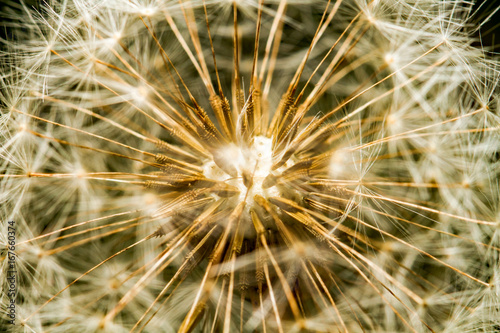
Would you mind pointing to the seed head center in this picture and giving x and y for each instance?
(248, 165)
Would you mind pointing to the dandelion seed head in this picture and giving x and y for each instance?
(252, 166)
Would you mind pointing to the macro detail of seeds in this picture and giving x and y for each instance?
(250, 166)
